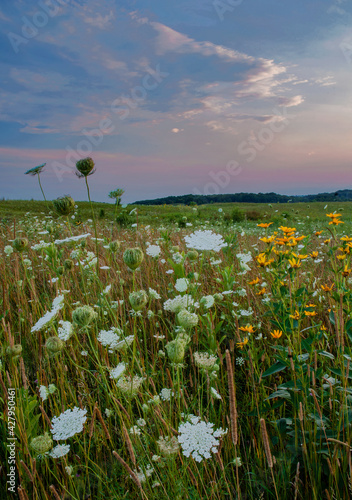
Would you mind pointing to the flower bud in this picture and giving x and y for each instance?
(114, 245)
(54, 345)
(176, 350)
(138, 300)
(85, 167)
(187, 319)
(175, 249)
(192, 255)
(83, 316)
(133, 258)
(42, 444)
(65, 205)
(20, 244)
(14, 351)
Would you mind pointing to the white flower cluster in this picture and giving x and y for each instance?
(198, 439)
(112, 339)
(117, 371)
(45, 391)
(41, 245)
(207, 301)
(72, 238)
(178, 303)
(166, 394)
(205, 240)
(69, 423)
(153, 294)
(204, 360)
(65, 331)
(58, 303)
(60, 451)
(181, 284)
(153, 250)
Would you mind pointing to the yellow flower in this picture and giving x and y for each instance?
(314, 255)
(300, 256)
(323, 328)
(327, 288)
(318, 233)
(336, 222)
(327, 241)
(310, 313)
(333, 216)
(261, 292)
(264, 224)
(287, 230)
(276, 334)
(346, 272)
(267, 240)
(295, 315)
(254, 282)
(248, 328)
(346, 238)
(311, 305)
(295, 263)
(261, 259)
(341, 257)
(241, 345)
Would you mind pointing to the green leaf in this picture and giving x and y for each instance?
(277, 367)
(327, 354)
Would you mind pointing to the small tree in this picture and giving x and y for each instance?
(117, 195)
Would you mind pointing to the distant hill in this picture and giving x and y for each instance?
(187, 199)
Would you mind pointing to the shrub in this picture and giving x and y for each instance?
(237, 215)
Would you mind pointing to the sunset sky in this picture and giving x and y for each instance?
(176, 97)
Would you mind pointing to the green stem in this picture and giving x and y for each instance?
(95, 225)
(41, 188)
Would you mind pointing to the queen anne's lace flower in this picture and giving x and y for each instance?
(153, 250)
(60, 450)
(58, 303)
(205, 240)
(112, 339)
(181, 284)
(198, 439)
(117, 371)
(178, 303)
(69, 423)
(65, 331)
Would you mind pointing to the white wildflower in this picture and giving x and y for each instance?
(181, 284)
(69, 423)
(116, 372)
(198, 438)
(153, 250)
(65, 331)
(205, 240)
(59, 451)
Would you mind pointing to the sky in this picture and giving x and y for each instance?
(171, 98)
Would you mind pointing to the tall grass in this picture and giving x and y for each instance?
(280, 329)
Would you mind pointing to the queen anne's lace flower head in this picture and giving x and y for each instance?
(60, 450)
(205, 240)
(198, 439)
(117, 371)
(178, 303)
(153, 250)
(69, 423)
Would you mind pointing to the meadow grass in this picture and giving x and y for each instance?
(212, 366)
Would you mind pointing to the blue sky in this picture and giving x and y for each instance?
(196, 96)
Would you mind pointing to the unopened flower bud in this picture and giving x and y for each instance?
(83, 316)
(64, 205)
(133, 258)
(85, 167)
(138, 300)
(20, 244)
(42, 444)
